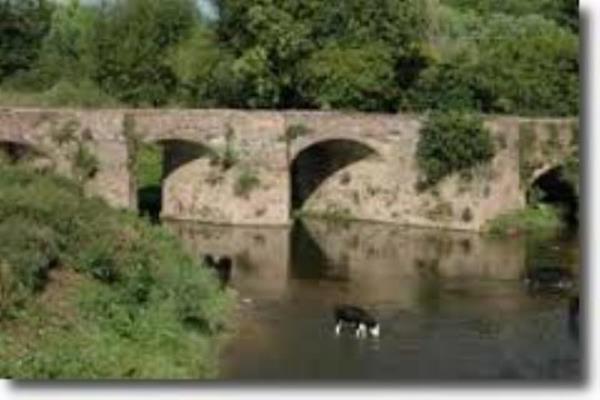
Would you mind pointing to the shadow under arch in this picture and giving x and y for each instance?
(553, 188)
(155, 162)
(15, 152)
(309, 261)
(314, 164)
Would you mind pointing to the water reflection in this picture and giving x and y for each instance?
(452, 305)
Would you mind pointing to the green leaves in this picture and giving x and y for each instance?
(491, 56)
(525, 65)
(23, 26)
(351, 77)
(452, 142)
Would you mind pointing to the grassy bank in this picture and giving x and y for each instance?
(538, 219)
(90, 292)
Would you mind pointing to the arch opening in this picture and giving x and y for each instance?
(313, 165)
(14, 152)
(154, 163)
(17, 153)
(555, 189)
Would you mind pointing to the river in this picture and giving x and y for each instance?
(452, 305)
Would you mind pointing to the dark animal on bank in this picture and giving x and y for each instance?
(221, 266)
(360, 320)
(549, 278)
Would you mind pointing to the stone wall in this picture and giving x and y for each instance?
(247, 181)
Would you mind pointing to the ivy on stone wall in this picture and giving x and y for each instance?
(451, 142)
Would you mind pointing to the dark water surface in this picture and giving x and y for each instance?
(452, 305)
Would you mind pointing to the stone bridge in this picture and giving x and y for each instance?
(261, 167)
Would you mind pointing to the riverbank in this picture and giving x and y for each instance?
(91, 292)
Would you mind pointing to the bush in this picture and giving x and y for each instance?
(85, 163)
(24, 25)
(246, 181)
(81, 94)
(351, 77)
(452, 142)
(27, 252)
(498, 63)
(136, 289)
(537, 219)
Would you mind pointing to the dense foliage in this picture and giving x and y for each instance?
(130, 302)
(376, 55)
(452, 142)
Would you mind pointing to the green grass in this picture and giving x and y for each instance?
(90, 292)
(64, 94)
(539, 219)
(149, 165)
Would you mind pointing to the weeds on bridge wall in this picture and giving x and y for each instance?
(451, 142)
(296, 131)
(246, 182)
(132, 140)
(229, 155)
(526, 148)
(84, 163)
(540, 144)
(66, 133)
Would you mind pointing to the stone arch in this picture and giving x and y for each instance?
(314, 162)
(164, 156)
(17, 151)
(549, 185)
(178, 152)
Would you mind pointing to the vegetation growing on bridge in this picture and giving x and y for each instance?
(452, 142)
(539, 219)
(490, 56)
(88, 292)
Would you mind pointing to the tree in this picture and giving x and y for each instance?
(564, 12)
(272, 39)
(23, 25)
(203, 70)
(351, 77)
(67, 51)
(505, 64)
(133, 38)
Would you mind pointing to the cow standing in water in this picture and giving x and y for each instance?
(360, 320)
(222, 266)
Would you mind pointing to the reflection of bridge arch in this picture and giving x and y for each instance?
(313, 162)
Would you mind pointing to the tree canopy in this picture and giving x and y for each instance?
(374, 55)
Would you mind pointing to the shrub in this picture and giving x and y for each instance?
(452, 142)
(27, 252)
(85, 163)
(136, 289)
(351, 77)
(246, 181)
(525, 65)
(77, 94)
(537, 219)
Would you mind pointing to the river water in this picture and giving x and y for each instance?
(452, 305)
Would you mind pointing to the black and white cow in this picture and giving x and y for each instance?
(360, 320)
